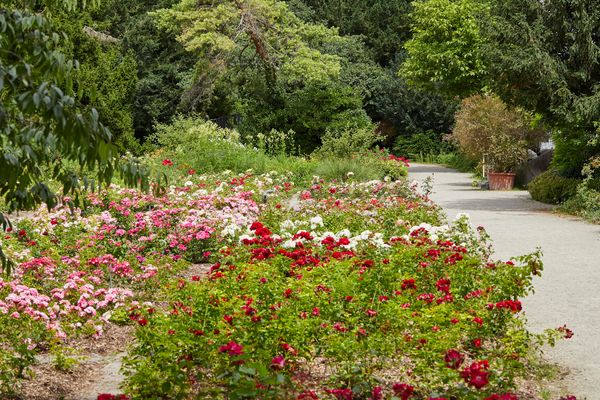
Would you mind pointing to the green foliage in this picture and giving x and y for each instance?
(353, 168)
(40, 124)
(445, 52)
(352, 140)
(384, 24)
(192, 143)
(409, 109)
(107, 74)
(586, 202)
(550, 187)
(308, 111)
(486, 127)
(19, 339)
(545, 57)
(165, 68)
(458, 161)
(112, 79)
(428, 143)
(573, 148)
(264, 70)
(386, 96)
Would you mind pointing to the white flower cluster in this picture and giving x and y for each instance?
(290, 228)
(435, 232)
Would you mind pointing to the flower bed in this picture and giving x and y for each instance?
(351, 290)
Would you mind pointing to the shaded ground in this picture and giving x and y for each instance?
(97, 369)
(568, 293)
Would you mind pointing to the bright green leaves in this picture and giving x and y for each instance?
(224, 30)
(445, 52)
(44, 135)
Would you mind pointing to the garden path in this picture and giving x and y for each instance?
(569, 291)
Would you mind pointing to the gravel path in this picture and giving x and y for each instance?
(569, 291)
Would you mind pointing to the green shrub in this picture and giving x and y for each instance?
(486, 127)
(586, 202)
(342, 169)
(455, 160)
(550, 187)
(425, 143)
(192, 143)
(347, 141)
(572, 151)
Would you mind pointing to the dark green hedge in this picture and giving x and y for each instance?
(550, 187)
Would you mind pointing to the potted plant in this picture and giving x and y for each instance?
(487, 129)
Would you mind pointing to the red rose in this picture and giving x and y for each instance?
(403, 390)
(278, 362)
(453, 359)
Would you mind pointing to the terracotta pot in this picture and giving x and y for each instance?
(501, 180)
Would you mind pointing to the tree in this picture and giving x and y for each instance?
(445, 52)
(164, 67)
(107, 74)
(384, 25)
(43, 133)
(371, 52)
(486, 127)
(545, 56)
(258, 60)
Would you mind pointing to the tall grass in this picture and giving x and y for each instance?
(192, 143)
(342, 169)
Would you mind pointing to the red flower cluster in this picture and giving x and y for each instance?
(109, 396)
(477, 374)
(377, 393)
(232, 348)
(453, 359)
(505, 396)
(568, 333)
(403, 390)
(513, 305)
(341, 394)
(278, 362)
(403, 160)
(167, 163)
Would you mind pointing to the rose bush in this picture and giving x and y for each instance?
(333, 290)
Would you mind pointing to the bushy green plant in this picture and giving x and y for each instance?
(586, 201)
(426, 143)
(343, 169)
(572, 151)
(276, 143)
(458, 161)
(20, 335)
(488, 128)
(347, 141)
(193, 143)
(550, 187)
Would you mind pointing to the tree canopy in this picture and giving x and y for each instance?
(445, 52)
(545, 57)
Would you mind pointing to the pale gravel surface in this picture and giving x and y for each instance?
(569, 291)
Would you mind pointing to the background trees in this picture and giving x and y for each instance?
(445, 52)
(545, 57)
